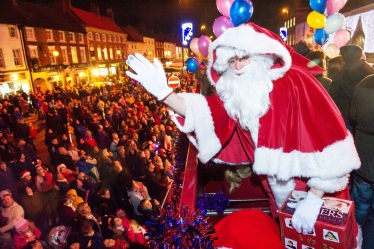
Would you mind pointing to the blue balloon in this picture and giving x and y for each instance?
(191, 64)
(320, 36)
(318, 5)
(240, 12)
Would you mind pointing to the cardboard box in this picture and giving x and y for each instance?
(334, 228)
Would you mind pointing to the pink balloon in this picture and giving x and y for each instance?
(203, 43)
(221, 24)
(194, 47)
(224, 6)
(334, 6)
(341, 38)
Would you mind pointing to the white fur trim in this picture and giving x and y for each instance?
(246, 38)
(335, 161)
(280, 189)
(219, 161)
(199, 120)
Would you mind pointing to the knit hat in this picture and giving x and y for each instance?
(247, 227)
(59, 167)
(24, 174)
(4, 193)
(20, 224)
(72, 192)
(351, 53)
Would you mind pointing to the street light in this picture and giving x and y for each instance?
(285, 10)
(202, 28)
(55, 53)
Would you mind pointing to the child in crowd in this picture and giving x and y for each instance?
(25, 232)
(91, 238)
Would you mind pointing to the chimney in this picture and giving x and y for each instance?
(64, 5)
(110, 14)
(14, 2)
(94, 9)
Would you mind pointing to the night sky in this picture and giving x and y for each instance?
(166, 16)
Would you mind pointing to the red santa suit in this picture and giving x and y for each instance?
(302, 140)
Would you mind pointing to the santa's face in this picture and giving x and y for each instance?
(244, 88)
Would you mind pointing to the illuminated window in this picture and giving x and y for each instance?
(52, 58)
(64, 54)
(111, 52)
(30, 34)
(82, 52)
(80, 37)
(99, 54)
(33, 52)
(71, 37)
(74, 56)
(61, 36)
(12, 31)
(17, 57)
(105, 51)
(2, 64)
(49, 35)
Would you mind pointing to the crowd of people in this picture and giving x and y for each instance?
(110, 169)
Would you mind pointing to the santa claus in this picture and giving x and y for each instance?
(268, 111)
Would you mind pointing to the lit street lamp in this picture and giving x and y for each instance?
(285, 10)
(55, 53)
(202, 28)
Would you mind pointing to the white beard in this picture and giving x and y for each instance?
(246, 97)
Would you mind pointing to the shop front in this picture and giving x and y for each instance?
(15, 82)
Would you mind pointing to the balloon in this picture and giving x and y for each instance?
(241, 11)
(191, 64)
(221, 24)
(334, 23)
(320, 36)
(332, 51)
(203, 44)
(316, 20)
(318, 5)
(223, 6)
(194, 47)
(201, 57)
(341, 38)
(333, 6)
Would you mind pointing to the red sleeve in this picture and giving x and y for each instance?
(36, 233)
(20, 240)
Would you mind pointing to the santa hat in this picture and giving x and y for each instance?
(24, 174)
(20, 224)
(250, 39)
(59, 167)
(4, 193)
(247, 229)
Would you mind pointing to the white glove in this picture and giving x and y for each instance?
(152, 77)
(306, 213)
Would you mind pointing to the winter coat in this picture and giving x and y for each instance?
(341, 90)
(362, 111)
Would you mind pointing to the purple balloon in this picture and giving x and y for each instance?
(203, 44)
(221, 24)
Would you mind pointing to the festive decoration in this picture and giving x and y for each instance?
(320, 36)
(224, 6)
(240, 12)
(194, 46)
(341, 38)
(316, 20)
(180, 227)
(221, 24)
(208, 202)
(318, 5)
(203, 44)
(191, 64)
(332, 51)
(334, 23)
(333, 6)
